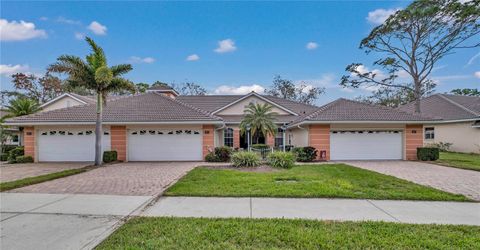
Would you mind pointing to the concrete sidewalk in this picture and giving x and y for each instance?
(420, 212)
(62, 221)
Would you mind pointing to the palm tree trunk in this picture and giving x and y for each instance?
(98, 131)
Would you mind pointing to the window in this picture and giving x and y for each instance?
(279, 138)
(429, 133)
(228, 137)
(15, 138)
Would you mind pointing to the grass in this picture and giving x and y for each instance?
(202, 233)
(38, 179)
(460, 160)
(308, 181)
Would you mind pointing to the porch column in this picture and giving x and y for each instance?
(236, 138)
(413, 140)
(208, 142)
(319, 138)
(118, 141)
(270, 140)
(29, 142)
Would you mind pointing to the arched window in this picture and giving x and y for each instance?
(228, 137)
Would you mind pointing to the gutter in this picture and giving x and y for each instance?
(110, 123)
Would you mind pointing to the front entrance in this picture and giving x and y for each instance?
(255, 140)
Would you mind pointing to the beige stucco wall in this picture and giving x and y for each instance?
(298, 137)
(238, 108)
(462, 135)
(64, 102)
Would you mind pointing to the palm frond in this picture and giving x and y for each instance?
(120, 69)
(97, 58)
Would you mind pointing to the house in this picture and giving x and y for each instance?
(11, 134)
(161, 125)
(459, 121)
(68, 100)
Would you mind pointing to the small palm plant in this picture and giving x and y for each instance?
(260, 119)
(21, 106)
(94, 74)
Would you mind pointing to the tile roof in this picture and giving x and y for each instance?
(348, 110)
(212, 103)
(447, 107)
(149, 107)
(239, 118)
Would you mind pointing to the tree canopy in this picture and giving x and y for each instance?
(301, 92)
(466, 92)
(412, 41)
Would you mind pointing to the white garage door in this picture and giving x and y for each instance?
(366, 145)
(165, 145)
(69, 144)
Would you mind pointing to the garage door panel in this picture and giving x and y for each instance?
(165, 145)
(69, 145)
(376, 145)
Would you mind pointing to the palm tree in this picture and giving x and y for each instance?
(261, 120)
(94, 74)
(21, 106)
(16, 107)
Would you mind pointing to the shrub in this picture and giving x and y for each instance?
(245, 159)
(109, 156)
(24, 159)
(223, 153)
(260, 146)
(281, 159)
(4, 157)
(306, 154)
(428, 154)
(442, 146)
(211, 157)
(8, 148)
(14, 153)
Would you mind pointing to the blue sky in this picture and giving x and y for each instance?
(227, 47)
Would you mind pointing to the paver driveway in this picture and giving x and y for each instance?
(11, 172)
(132, 178)
(453, 180)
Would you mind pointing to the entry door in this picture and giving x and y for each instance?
(366, 145)
(165, 145)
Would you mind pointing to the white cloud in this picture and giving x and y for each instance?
(9, 69)
(62, 19)
(193, 57)
(311, 45)
(97, 28)
(19, 31)
(241, 90)
(379, 16)
(477, 74)
(224, 46)
(79, 36)
(136, 59)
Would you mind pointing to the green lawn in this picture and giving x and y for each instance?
(460, 160)
(202, 233)
(328, 180)
(37, 179)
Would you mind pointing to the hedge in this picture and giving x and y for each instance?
(109, 156)
(428, 154)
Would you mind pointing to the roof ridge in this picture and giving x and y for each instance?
(458, 104)
(321, 108)
(187, 105)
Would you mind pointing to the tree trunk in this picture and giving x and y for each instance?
(418, 95)
(98, 131)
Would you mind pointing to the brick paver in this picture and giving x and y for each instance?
(453, 180)
(11, 172)
(117, 179)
